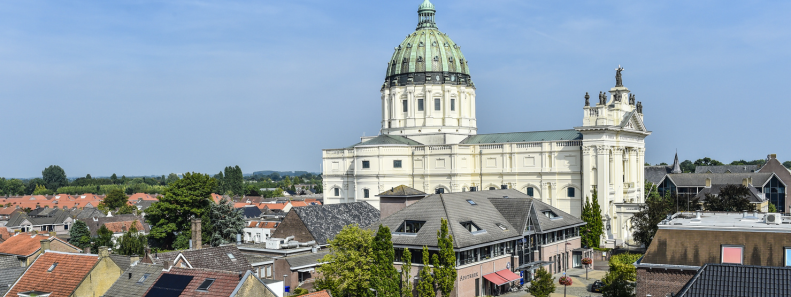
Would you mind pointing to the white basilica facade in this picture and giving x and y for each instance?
(428, 141)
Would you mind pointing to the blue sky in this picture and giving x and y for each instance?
(153, 87)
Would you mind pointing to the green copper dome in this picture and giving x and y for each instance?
(427, 55)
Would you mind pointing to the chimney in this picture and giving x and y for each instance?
(52, 233)
(88, 250)
(744, 182)
(196, 234)
(134, 258)
(104, 252)
(44, 245)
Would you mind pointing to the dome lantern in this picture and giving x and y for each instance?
(425, 14)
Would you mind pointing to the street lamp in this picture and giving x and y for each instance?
(376, 293)
(284, 284)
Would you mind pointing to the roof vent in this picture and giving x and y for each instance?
(506, 197)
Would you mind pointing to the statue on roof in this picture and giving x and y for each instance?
(602, 98)
(587, 99)
(618, 81)
(639, 107)
(631, 99)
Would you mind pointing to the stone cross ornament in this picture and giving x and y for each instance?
(618, 81)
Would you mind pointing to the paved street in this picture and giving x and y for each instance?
(579, 287)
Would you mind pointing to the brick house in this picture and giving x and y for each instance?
(26, 247)
(688, 241)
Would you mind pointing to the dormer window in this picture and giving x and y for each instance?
(470, 226)
(411, 227)
(551, 215)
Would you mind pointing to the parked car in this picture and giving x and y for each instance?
(597, 286)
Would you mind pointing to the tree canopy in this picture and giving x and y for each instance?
(425, 283)
(131, 243)
(445, 264)
(347, 268)
(621, 277)
(226, 222)
(115, 199)
(731, 198)
(79, 235)
(707, 162)
(384, 277)
(542, 285)
(594, 229)
(185, 199)
(54, 177)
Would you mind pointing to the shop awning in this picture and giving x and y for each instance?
(508, 275)
(502, 277)
(495, 279)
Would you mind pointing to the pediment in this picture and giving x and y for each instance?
(632, 121)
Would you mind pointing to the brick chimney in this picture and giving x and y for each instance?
(104, 252)
(44, 245)
(196, 234)
(87, 250)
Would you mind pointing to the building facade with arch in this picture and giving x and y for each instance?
(429, 141)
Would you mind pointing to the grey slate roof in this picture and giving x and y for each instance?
(9, 262)
(40, 217)
(85, 213)
(122, 261)
(544, 224)
(128, 286)
(738, 280)
(249, 212)
(726, 169)
(253, 259)
(455, 208)
(655, 174)
(517, 208)
(523, 137)
(326, 221)
(309, 259)
(402, 190)
(210, 258)
(385, 139)
(699, 179)
(754, 197)
(8, 277)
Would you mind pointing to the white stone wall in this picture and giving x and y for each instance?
(460, 119)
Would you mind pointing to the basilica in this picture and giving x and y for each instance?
(429, 141)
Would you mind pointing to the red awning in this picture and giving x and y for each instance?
(508, 275)
(495, 279)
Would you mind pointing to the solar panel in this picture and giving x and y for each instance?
(169, 285)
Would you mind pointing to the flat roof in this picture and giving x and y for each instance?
(755, 221)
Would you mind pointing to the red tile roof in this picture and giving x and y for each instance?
(25, 244)
(62, 280)
(143, 196)
(5, 234)
(273, 205)
(224, 282)
(262, 224)
(119, 227)
(322, 293)
(8, 210)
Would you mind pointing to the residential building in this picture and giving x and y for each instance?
(26, 247)
(429, 141)
(262, 265)
(67, 274)
(300, 268)
(495, 233)
(320, 223)
(206, 282)
(41, 220)
(135, 281)
(248, 211)
(118, 224)
(224, 257)
(738, 280)
(259, 231)
(687, 241)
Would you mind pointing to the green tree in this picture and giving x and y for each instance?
(54, 177)
(114, 179)
(654, 210)
(233, 182)
(41, 190)
(445, 267)
(115, 199)
(621, 276)
(219, 188)
(126, 209)
(185, 199)
(542, 285)
(132, 243)
(104, 238)
(171, 178)
(14, 187)
(226, 223)
(772, 207)
(406, 273)
(787, 164)
(687, 166)
(299, 292)
(594, 227)
(384, 277)
(707, 162)
(347, 268)
(731, 198)
(425, 283)
(79, 235)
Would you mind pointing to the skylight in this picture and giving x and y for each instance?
(206, 284)
(471, 202)
(52, 267)
(502, 226)
(143, 278)
(231, 256)
(470, 226)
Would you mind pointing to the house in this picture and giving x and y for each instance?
(26, 247)
(687, 241)
(396, 199)
(726, 169)
(300, 269)
(262, 265)
(118, 224)
(755, 197)
(6, 212)
(258, 231)
(67, 274)
(495, 232)
(738, 280)
(142, 197)
(206, 282)
(42, 219)
(320, 223)
(135, 281)
(224, 257)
